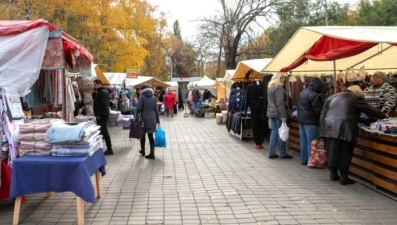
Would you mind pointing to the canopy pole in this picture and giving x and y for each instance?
(335, 77)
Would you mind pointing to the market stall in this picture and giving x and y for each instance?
(250, 69)
(227, 81)
(247, 72)
(334, 51)
(152, 81)
(35, 60)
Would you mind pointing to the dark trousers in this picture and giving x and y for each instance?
(151, 141)
(339, 153)
(103, 122)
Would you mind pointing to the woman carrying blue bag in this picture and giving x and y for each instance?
(147, 108)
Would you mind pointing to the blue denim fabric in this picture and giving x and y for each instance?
(275, 138)
(308, 133)
(194, 106)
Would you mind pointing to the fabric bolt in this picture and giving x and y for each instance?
(275, 139)
(308, 133)
(38, 174)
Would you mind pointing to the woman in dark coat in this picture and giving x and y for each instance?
(338, 127)
(149, 116)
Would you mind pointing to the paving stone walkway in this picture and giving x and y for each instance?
(207, 176)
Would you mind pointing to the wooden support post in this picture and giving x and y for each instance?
(98, 184)
(80, 211)
(17, 209)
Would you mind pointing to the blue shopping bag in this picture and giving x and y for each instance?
(159, 138)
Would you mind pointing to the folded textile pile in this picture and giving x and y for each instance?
(61, 133)
(114, 117)
(125, 121)
(33, 135)
(87, 145)
(386, 124)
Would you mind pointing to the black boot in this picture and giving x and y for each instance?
(334, 174)
(151, 155)
(344, 178)
(142, 151)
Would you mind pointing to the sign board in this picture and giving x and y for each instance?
(132, 73)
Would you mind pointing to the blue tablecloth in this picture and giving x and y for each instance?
(37, 174)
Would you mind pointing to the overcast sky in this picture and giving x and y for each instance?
(186, 11)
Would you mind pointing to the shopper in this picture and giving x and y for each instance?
(102, 111)
(276, 111)
(309, 108)
(169, 100)
(338, 126)
(149, 116)
(79, 105)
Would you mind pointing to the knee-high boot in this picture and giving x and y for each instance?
(334, 174)
(151, 155)
(142, 151)
(344, 178)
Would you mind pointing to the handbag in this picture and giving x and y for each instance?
(318, 156)
(136, 127)
(159, 138)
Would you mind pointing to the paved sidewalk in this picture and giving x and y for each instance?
(206, 176)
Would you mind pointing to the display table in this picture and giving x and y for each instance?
(37, 174)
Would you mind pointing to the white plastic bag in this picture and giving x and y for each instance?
(283, 131)
(162, 108)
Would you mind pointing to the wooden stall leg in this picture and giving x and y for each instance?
(17, 209)
(48, 194)
(98, 184)
(80, 211)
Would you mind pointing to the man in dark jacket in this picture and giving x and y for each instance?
(102, 111)
(339, 125)
(309, 108)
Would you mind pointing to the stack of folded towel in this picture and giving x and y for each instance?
(82, 139)
(32, 136)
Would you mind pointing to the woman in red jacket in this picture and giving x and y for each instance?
(169, 100)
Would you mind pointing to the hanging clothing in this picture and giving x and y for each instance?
(256, 103)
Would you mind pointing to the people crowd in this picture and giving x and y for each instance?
(334, 119)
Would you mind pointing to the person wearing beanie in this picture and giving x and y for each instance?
(380, 95)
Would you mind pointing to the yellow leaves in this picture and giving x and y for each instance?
(116, 32)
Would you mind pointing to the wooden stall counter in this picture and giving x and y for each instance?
(374, 157)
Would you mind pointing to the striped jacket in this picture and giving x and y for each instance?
(382, 97)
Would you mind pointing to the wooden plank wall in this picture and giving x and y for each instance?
(374, 158)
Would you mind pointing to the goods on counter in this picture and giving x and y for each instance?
(385, 124)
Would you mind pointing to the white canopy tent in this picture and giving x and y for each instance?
(115, 79)
(254, 65)
(137, 82)
(330, 49)
(205, 83)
